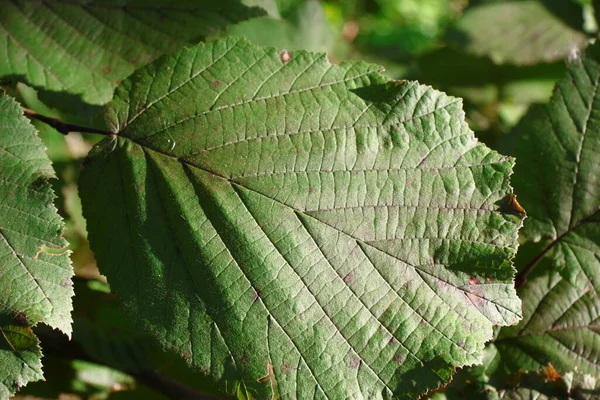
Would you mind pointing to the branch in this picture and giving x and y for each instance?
(58, 345)
(63, 127)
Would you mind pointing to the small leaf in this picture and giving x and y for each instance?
(321, 225)
(88, 47)
(20, 358)
(35, 271)
(504, 31)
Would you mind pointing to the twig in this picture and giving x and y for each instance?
(63, 127)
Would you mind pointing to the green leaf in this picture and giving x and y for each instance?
(75, 379)
(87, 47)
(562, 193)
(543, 384)
(505, 31)
(20, 357)
(277, 8)
(306, 28)
(560, 326)
(309, 229)
(35, 271)
(558, 184)
(108, 337)
(572, 386)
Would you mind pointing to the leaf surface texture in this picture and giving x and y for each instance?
(316, 231)
(86, 47)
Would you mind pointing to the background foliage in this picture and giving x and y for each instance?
(502, 57)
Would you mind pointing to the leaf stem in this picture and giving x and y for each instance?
(521, 278)
(63, 127)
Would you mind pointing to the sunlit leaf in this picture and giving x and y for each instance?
(307, 229)
(35, 271)
(86, 47)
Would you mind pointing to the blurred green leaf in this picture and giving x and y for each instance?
(86, 47)
(304, 28)
(521, 32)
(68, 379)
(403, 28)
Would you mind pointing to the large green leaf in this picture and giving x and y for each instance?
(557, 179)
(311, 229)
(35, 271)
(521, 32)
(87, 47)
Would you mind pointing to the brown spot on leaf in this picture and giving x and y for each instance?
(255, 294)
(66, 283)
(106, 70)
(399, 359)
(489, 279)
(513, 206)
(354, 362)
(269, 377)
(349, 278)
(476, 300)
(21, 319)
(473, 280)
(216, 83)
(285, 57)
(551, 373)
(187, 356)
